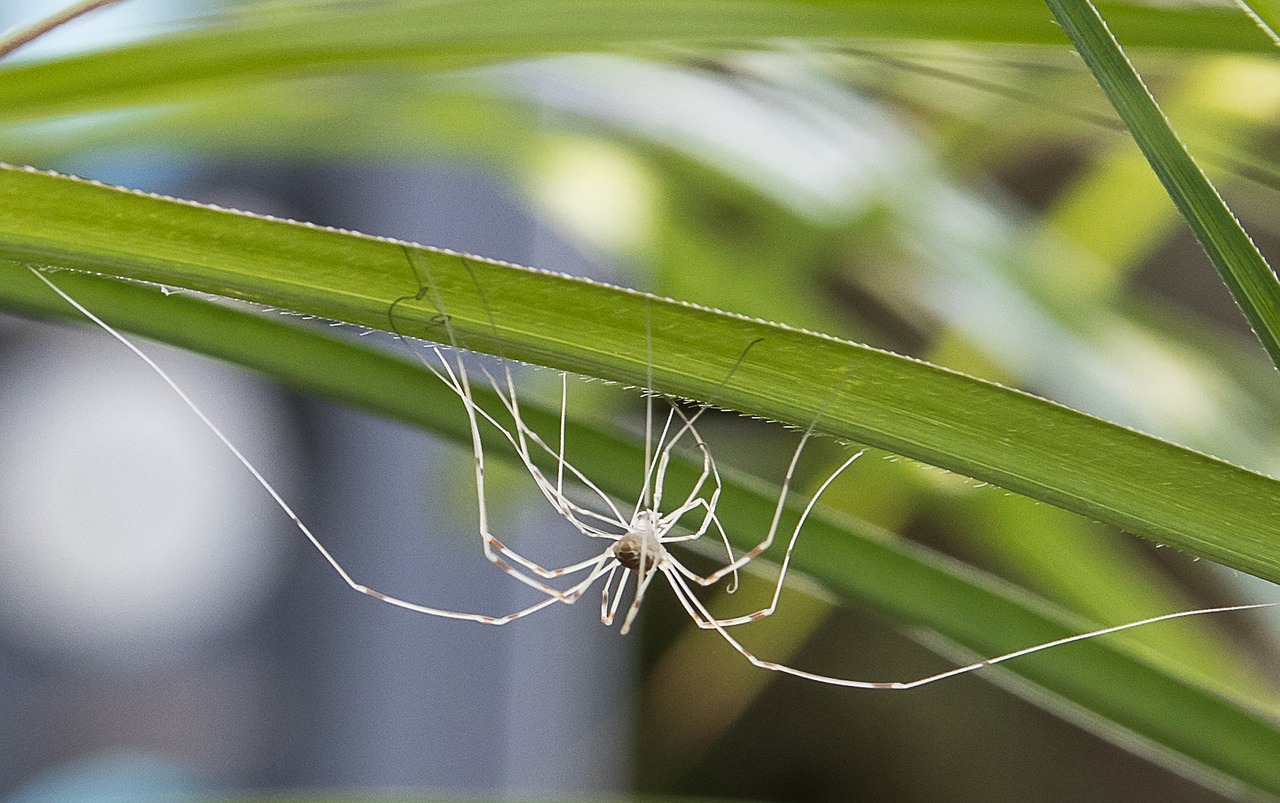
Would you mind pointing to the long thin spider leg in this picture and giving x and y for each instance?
(558, 498)
(491, 543)
(642, 584)
(791, 545)
(568, 597)
(511, 401)
(646, 494)
(565, 506)
(699, 613)
(459, 382)
(572, 510)
(651, 494)
(553, 493)
(617, 597)
(651, 497)
(759, 548)
(621, 594)
(553, 595)
(693, 500)
(664, 460)
(653, 487)
(709, 519)
(691, 420)
(604, 592)
(786, 560)
(494, 550)
(450, 377)
(646, 497)
(572, 568)
(689, 505)
(520, 444)
(564, 404)
(609, 607)
(746, 558)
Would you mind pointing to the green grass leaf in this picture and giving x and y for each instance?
(978, 429)
(330, 40)
(1251, 280)
(1267, 14)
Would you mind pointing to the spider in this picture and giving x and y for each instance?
(637, 540)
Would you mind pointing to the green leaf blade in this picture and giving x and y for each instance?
(1251, 280)
(1019, 442)
(219, 59)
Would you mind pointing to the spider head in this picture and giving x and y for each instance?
(646, 522)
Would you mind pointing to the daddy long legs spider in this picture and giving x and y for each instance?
(637, 538)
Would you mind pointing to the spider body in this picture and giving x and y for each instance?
(642, 545)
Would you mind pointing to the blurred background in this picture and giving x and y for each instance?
(165, 633)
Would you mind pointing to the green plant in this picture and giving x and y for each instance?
(266, 79)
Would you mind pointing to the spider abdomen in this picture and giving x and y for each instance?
(632, 548)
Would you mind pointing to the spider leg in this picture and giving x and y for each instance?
(568, 597)
(769, 609)
(699, 613)
(755, 552)
(643, 579)
(460, 383)
(664, 458)
(493, 548)
(609, 599)
(525, 435)
(455, 377)
(651, 496)
(694, 500)
(564, 405)
(709, 472)
(553, 595)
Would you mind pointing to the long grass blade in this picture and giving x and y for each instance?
(341, 39)
(978, 429)
(1242, 267)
